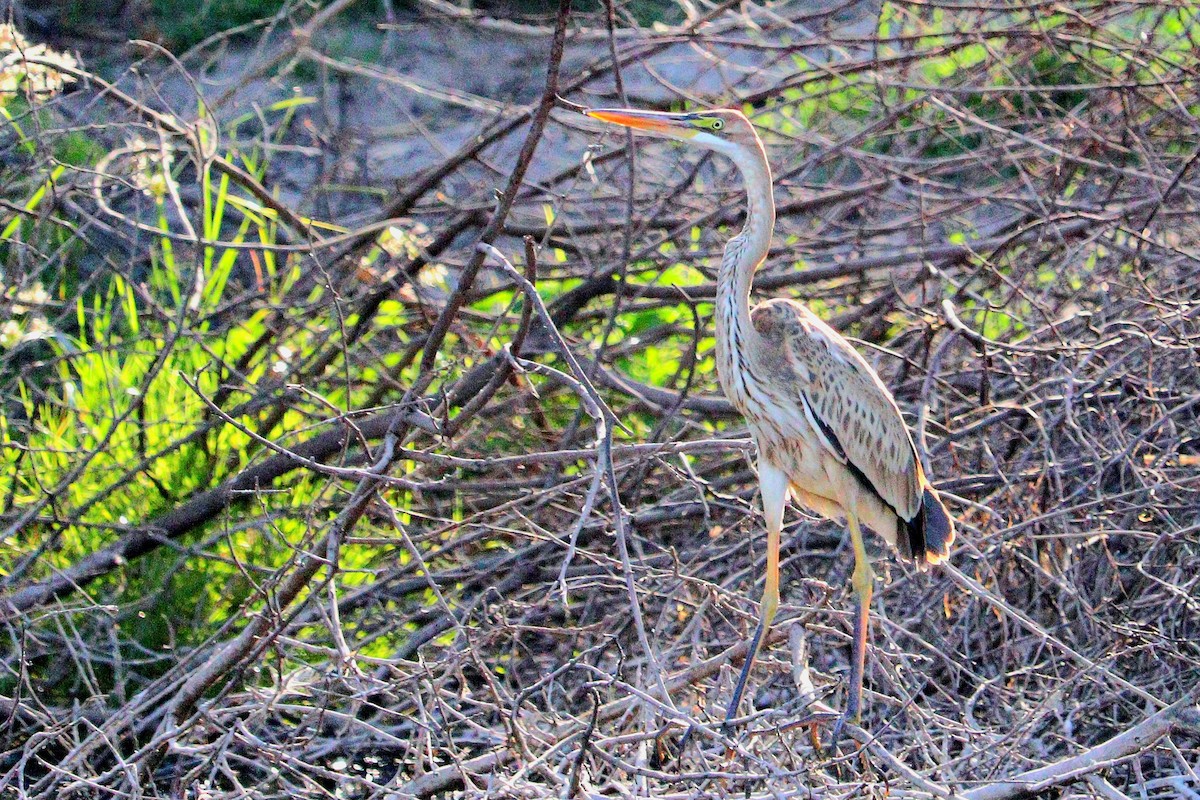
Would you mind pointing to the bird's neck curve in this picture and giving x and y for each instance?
(743, 255)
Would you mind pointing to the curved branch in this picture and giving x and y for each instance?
(1180, 715)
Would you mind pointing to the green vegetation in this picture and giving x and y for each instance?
(113, 375)
(186, 23)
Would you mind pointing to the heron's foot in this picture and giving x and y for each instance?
(683, 743)
(726, 740)
(836, 739)
(815, 721)
(668, 750)
(729, 730)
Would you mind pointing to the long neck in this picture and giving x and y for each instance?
(744, 253)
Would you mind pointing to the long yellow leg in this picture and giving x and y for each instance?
(774, 485)
(863, 580)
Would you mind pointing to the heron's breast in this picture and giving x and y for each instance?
(794, 451)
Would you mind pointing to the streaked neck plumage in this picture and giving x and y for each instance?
(743, 255)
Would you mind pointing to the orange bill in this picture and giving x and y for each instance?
(642, 120)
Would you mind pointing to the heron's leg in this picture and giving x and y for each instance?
(774, 486)
(863, 580)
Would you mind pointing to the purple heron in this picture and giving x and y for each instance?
(828, 431)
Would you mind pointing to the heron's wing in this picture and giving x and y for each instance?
(845, 403)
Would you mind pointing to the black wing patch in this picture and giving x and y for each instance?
(824, 431)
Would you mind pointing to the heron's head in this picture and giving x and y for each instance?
(725, 130)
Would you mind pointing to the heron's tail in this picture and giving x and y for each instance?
(930, 533)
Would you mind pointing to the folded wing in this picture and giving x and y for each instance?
(857, 422)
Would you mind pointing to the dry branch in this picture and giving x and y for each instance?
(1181, 716)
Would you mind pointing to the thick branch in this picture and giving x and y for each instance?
(1181, 715)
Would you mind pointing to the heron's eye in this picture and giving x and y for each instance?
(717, 124)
